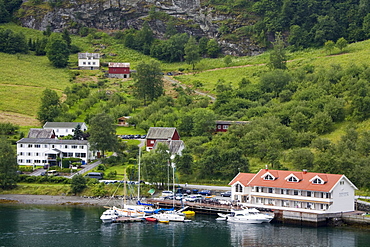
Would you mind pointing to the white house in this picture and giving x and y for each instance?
(48, 151)
(89, 61)
(175, 147)
(305, 192)
(64, 128)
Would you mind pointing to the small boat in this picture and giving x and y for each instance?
(246, 215)
(151, 219)
(109, 215)
(164, 221)
(188, 213)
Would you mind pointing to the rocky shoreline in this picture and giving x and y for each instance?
(58, 200)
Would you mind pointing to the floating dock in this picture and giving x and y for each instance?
(127, 219)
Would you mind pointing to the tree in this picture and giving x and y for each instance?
(67, 38)
(341, 43)
(148, 81)
(329, 46)
(213, 49)
(102, 133)
(78, 133)
(8, 165)
(192, 55)
(78, 184)
(50, 107)
(228, 60)
(278, 57)
(57, 51)
(203, 122)
(4, 14)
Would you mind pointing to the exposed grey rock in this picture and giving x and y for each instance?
(114, 15)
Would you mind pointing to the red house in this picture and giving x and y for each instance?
(223, 126)
(160, 133)
(119, 70)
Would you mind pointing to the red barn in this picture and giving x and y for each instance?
(160, 133)
(223, 126)
(119, 70)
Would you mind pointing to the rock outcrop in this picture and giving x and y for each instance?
(114, 15)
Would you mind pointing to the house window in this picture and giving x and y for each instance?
(57, 130)
(93, 63)
(78, 155)
(84, 63)
(293, 179)
(308, 193)
(341, 182)
(45, 146)
(29, 154)
(65, 146)
(257, 189)
(226, 127)
(37, 146)
(268, 177)
(74, 147)
(37, 161)
(28, 161)
(317, 181)
(238, 188)
(21, 153)
(20, 161)
(52, 146)
(81, 147)
(70, 154)
(88, 63)
(21, 145)
(36, 154)
(152, 142)
(83, 155)
(270, 190)
(30, 145)
(219, 127)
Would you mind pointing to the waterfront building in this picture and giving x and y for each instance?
(48, 151)
(300, 192)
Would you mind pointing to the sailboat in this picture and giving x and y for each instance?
(170, 214)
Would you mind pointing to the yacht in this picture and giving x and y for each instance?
(246, 215)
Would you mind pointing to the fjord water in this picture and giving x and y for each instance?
(54, 226)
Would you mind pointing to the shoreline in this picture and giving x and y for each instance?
(19, 199)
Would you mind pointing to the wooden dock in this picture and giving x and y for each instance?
(127, 220)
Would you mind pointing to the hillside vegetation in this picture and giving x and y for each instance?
(314, 115)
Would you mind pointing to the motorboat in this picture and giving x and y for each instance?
(151, 219)
(169, 216)
(109, 215)
(246, 215)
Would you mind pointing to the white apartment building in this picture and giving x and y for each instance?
(47, 151)
(89, 61)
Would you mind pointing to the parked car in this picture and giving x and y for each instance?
(143, 136)
(226, 194)
(205, 192)
(196, 198)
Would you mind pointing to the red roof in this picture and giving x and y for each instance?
(280, 181)
(243, 178)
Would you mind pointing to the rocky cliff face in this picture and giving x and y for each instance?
(114, 15)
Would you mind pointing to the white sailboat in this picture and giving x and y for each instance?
(246, 215)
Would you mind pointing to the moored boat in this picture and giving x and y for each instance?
(246, 215)
(109, 215)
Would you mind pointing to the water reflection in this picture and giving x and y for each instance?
(77, 226)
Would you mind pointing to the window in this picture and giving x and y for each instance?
(70, 154)
(74, 146)
(88, 63)
(36, 154)
(308, 193)
(78, 155)
(317, 181)
(296, 192)
(21, 145)
(84, 63)
(93, 63)
(219, 127)
(30, 145)
(341, 182)
(20, 161)
(21, 153)
(238, 188)
(37, 161)
(293, 179)
(257, 189)
(37, 146)
(83, 155)
(28, 161)
(52, 146)
(270, 190)
(152, 141)
(268, 177)
(29, 154)
(226, 127)
(45, 146)
(57, 130)
(65, 146)
(81, 147)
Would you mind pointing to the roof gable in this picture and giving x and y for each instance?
(164, 133)
(40, 133)
(305, 178)
(242, 178)
(174, 146)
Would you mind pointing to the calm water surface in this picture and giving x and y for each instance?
(55, 226)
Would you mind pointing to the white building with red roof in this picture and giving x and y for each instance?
(295, 191)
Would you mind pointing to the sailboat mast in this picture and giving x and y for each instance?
(138, 185)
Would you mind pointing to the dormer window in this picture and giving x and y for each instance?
(269, 177)
(317, 181)
(292, 179)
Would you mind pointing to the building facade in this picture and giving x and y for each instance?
(295, 191)
(119, 70)
(88, 61)
(47, 151)
(64, 128)
(160, 133)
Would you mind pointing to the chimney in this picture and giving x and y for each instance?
(304, 171)
(267, 168)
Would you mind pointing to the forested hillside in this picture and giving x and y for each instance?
(307, 99)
